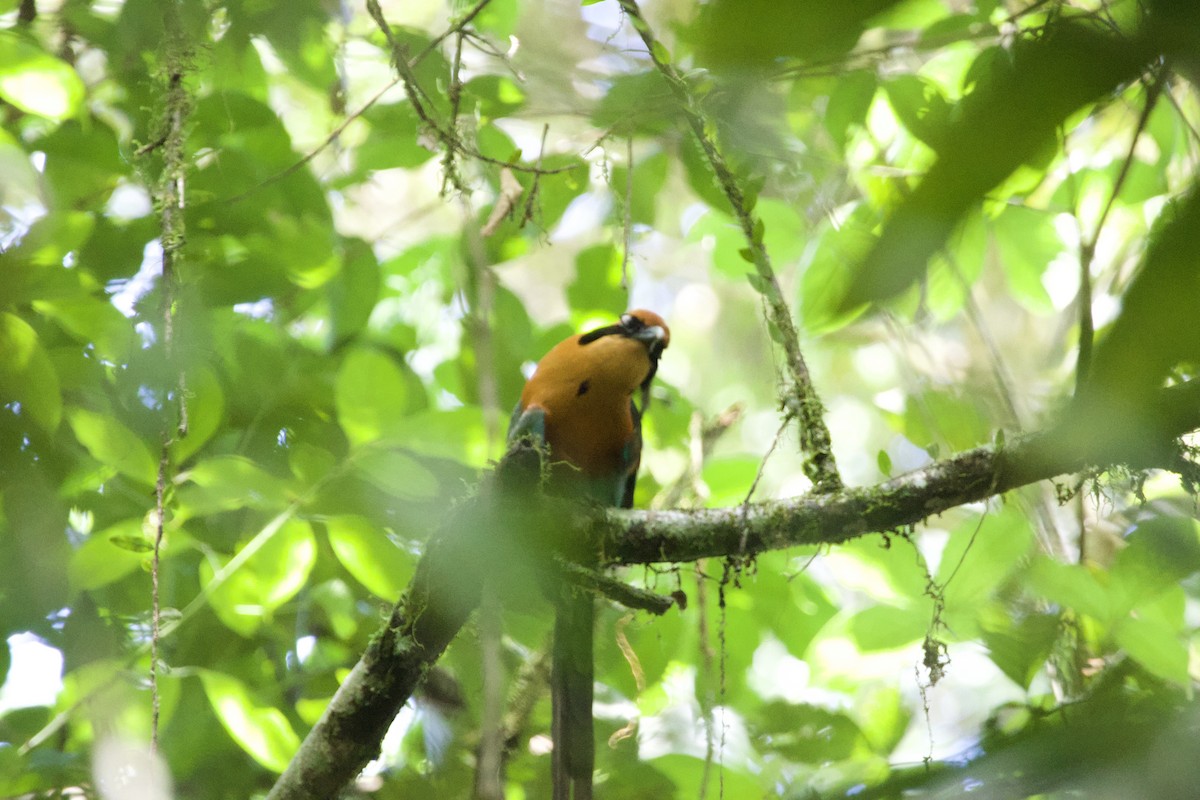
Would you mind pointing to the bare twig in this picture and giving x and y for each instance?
(450, 176)
(336, 133)
(1087, 246)
(489, 784)
(703, 436)
(531, 198)
(802, 399)
(627, 227)
(412, 89)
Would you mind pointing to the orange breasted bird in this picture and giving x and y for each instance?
(579, 405)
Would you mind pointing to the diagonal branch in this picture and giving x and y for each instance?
(446, 587)
(803, 401)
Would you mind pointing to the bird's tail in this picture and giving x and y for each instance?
(571, 694)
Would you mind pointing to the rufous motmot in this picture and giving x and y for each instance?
(579, 406)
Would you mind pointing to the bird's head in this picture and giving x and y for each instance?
(641, 326)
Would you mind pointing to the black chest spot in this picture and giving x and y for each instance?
(583, 388)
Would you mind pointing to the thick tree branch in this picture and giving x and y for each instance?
(446, 587)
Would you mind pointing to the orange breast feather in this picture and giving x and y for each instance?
(585, 392)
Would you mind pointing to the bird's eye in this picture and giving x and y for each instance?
(631, 323)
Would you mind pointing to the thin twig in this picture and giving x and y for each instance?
(531, 197)
(702, 437)
(1087, 247)
(336, 133)
(492, 752)
(155, 606)
(449, 168)
(802, 399)
(412, 89)
(627, 228)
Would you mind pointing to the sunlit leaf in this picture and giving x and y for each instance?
(1012, 115)
(728, 479)
(250, 590)
(205, 401)
(94, 321)
(261, 730)
(1071, 586)
(100, 561)
(354, 292)
(370, 394)
(27, 379)
(1027, 242)
(1155, 646)
(396, 473)
(1019, 647)
(883, 627)
(228, 482)
(369, 555)
(979, 557)
(114, 445)
(1161, 552)
(36, 82)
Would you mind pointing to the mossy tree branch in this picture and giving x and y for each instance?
(802, 402)
(446, 587)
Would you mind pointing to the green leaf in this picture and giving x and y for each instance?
(919, 104)
(396, 473)
(83, 163)
(884, 627)
(457, 434)
(498, 18)
(882, 716)
(952, 417)
(1161, 552)
(728, 479)
(596, 289)
(248, 593)
(1155, 646)
(1071, 586)
(224, 483)
(1156, 328)
(36, 82)
(394, 139)
(649, 177)
(369, 395)
(826, 278)
(806, 733)
(739, 35)
(1014, 114)
(1027, 242)
(261, 730)
(849, 102)
(981, 555)
(114, 445)
(496, 95)
(205, 410)
(95, 322)
(758, 282)
(369, 555)
(100, 560)
(26, 375)
(1019, 648)
(354, 292)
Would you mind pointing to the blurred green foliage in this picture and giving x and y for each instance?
(930, 176)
